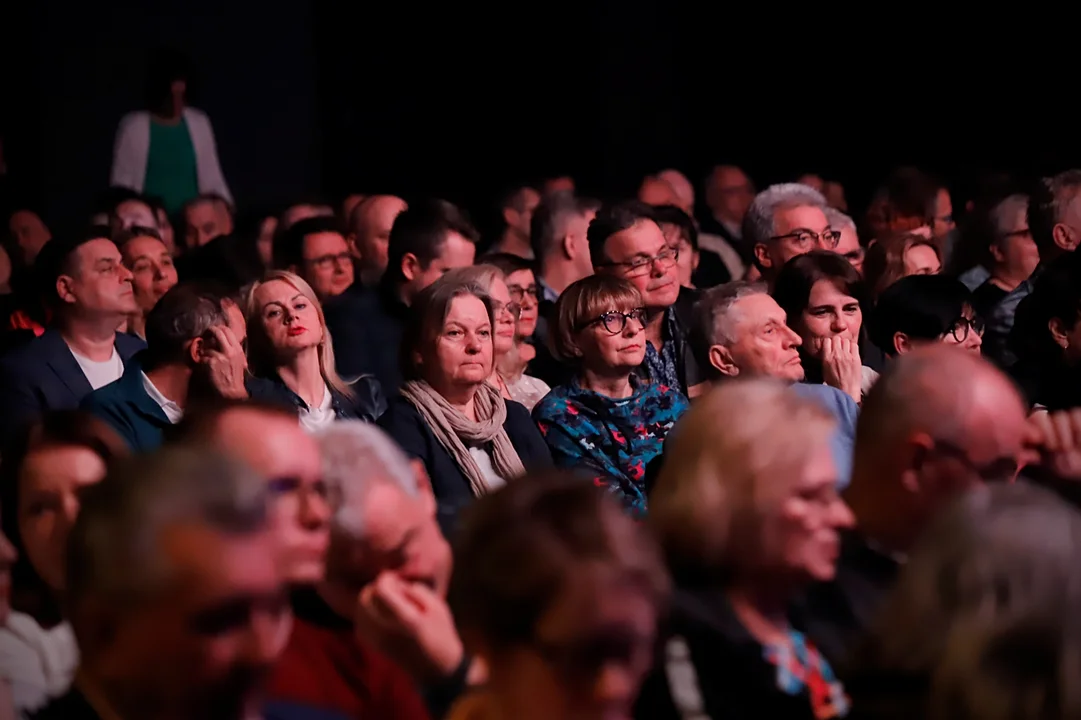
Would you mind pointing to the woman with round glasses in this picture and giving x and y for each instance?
(923, 310)
(606, 421)
(507, 372)
(512, 365)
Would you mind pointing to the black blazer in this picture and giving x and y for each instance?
(367, 403)
(43, 375)
(452, 492)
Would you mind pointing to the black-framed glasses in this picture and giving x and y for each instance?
(326, 261)
(807, 239)
(512, 307)
(615, 322)
(1001, 469)
(962, 326)
(518, 292)
(642, 264)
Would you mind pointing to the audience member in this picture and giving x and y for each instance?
(316, 250)
(925, 309)
(152, 271)
(90, 292)
(369, 234)
(469, 438)
(785, 221)
(606, 423)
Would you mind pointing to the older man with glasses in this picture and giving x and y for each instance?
(625, 241)
(784, 221)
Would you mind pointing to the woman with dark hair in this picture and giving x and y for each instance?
(923, 310)
(558, 593)
(168, 149)
(1046, 337)
(823, 297)
(470, 439)
(42, 474)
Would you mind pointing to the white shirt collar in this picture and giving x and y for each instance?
(172, 411)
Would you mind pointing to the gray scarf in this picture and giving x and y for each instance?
(454, 430)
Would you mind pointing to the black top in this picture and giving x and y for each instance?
(838, 613)
(367, 327)
(709, 665)
(70, 706)
(986, 297)
(452, 491)
(367, 402)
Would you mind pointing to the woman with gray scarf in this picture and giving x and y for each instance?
(447, 416)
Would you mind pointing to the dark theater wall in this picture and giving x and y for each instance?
(256, 82)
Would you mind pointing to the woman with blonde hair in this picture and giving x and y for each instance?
(508, 374)
(290, 346)
(747, 513)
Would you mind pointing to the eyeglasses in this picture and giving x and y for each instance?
(518, 293)
(641, 265)
(963, 325)
(615, 322)
(804, 240)
(512, 307)
(1001, 469)
(324, 262)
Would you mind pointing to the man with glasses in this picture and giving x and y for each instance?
(784, 221)
(937, 423)
(316, 250)
(626, 241)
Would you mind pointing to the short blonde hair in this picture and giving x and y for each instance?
(724, 478)
(260, 357)
(582, 302)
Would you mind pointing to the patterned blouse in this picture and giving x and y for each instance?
(611, 440)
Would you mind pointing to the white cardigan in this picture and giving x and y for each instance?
(132, 148)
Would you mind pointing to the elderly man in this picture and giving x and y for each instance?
(626, 241)
(369, 234)
(174, 595)
(741, 331)
(386, 550)
(784, 221)
(937, 422)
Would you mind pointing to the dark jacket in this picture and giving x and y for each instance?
(367, 328)
(709, 665)
(452, 492)
(839, 613)
(682, 320)
(43, 375)
(129, 410)
(367, 403)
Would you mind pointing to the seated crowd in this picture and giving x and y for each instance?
(617, 462)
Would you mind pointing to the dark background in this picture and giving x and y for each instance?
(327, 97)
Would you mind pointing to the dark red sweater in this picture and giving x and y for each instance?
(326, 673)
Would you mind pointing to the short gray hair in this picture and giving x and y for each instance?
(356, 455)
(714, 316)
(838, 220)
(114, 551)
(550, 220)
(758, 226)
(1004, 211)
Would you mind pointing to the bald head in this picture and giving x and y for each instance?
(656, 192)
(941, 391)
(938, 422)
(369, 231)
(682, 188)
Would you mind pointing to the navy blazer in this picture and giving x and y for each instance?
(43, 375)
(452, 491)
(128, 408)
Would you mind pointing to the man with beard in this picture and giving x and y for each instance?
(174, 592)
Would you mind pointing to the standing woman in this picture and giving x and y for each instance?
(168, 150)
